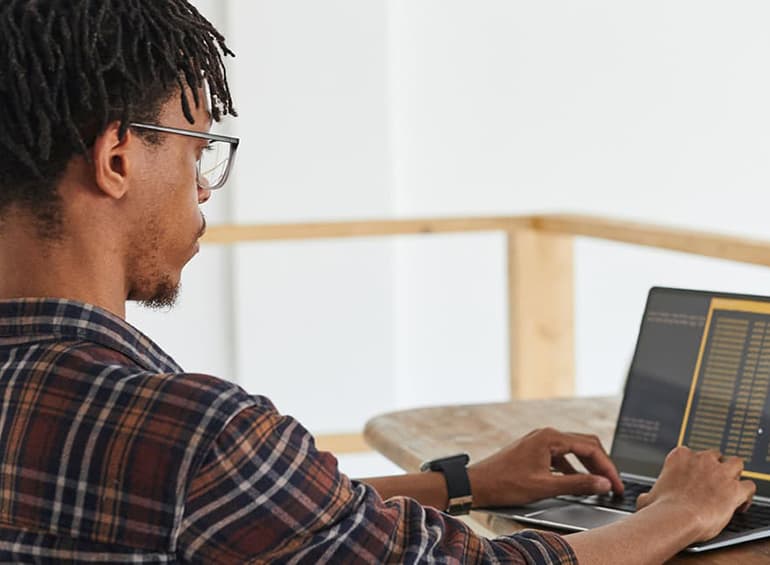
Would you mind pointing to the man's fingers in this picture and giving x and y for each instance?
(734, 465)
(748, 488)
(642, 500)
(591, 439)
(560, 463)
(602, 465)
(591, 455)
(579, 483)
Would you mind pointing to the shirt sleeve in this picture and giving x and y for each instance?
(265, 494)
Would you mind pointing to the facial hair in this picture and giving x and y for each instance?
(166, 293)
(164, 296)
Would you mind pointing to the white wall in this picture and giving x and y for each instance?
(655, 110)
(383, 108)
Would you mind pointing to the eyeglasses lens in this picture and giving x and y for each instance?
(212, 166)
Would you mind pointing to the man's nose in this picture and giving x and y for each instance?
(203, 195)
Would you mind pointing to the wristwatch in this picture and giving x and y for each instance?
(458, 485)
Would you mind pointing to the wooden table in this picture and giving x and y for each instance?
(411, 436)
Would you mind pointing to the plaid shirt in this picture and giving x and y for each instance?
(110, 453)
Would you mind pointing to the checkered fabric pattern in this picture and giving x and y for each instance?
(110, 453)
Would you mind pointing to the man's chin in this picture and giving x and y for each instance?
(160, 302)
(164, 297)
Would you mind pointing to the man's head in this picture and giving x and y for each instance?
(74, 74)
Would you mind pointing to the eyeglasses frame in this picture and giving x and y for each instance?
(232, 141)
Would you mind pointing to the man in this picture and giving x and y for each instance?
(109, 452)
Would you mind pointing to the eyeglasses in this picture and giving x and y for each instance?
(215, 162)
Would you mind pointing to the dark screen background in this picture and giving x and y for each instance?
(659, 380)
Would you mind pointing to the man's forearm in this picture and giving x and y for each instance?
(429, 489)
(647, 537)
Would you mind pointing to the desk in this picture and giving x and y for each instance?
(412, 436)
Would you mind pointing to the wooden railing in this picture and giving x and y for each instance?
(540, 279)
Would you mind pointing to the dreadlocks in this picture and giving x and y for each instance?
(68, 68)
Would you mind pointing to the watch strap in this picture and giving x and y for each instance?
(458, 485)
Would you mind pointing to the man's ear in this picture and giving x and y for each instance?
(111, 160)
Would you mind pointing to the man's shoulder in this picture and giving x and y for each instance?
(119, 368)
(213, 398)
(212, 392)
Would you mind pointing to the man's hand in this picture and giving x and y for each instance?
(522, 472)
(692, 500)
(704, 483)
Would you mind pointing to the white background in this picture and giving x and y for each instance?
(653, 110)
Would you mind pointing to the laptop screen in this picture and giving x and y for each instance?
(700, 377)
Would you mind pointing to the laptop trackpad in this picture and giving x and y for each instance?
(579, 516)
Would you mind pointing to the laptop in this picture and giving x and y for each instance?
(700, 377)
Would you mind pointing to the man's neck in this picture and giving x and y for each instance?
(66, 268)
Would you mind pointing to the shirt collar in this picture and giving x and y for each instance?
(38, 317)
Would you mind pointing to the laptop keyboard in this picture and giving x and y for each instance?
(755, 517)
(625, 502)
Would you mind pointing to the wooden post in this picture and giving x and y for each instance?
(541, 314)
